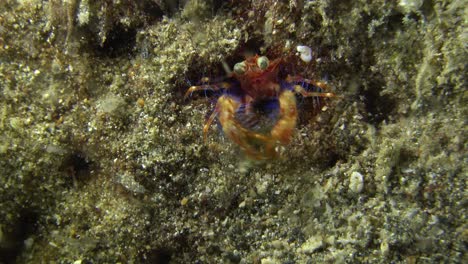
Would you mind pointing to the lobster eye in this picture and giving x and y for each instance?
(263, 62)
(239, 68)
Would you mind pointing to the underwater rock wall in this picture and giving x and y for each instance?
(102, 159)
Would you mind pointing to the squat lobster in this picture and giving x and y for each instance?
(254, 80)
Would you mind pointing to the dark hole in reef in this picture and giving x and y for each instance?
(232, 257)
(157, 256)
(119, 41)
(13, 241)
(77, 167)
(151, 10)
(326, 155)
(213, 250)
(394, 22)
(331, 159)
(378, 107)
(428, 8)
(171, 7)
(218, 4)
(249, 48)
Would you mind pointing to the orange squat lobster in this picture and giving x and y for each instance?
(257, 79)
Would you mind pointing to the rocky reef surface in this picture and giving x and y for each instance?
(103, 161)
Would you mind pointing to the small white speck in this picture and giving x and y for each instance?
(305, 53)
(356, 183)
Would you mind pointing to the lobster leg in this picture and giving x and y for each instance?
(204, 87)
(208, 123)
(286, 123)
(300, 90)
(283, 130)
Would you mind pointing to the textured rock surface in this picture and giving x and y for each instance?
(103, 161)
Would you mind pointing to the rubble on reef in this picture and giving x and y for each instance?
(103, 161)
